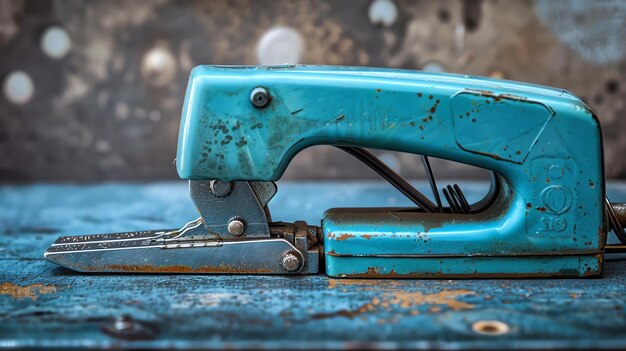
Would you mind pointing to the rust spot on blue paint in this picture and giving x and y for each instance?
(227, 139)
(344, 237)
(241, 142)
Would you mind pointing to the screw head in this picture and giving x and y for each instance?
(123, 322)
(220, 188)
(260, 97)
(291, 263)
(236, 227)
(490, 327)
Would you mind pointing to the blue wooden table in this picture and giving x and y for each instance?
(42, 305)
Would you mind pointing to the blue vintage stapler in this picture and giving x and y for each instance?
(546, 214)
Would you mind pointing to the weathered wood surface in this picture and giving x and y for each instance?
(42, 305)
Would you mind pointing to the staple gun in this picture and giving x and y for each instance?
(546, 214)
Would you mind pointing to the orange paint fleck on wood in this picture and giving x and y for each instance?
(27, 291)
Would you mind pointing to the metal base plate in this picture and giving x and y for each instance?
(465, 267)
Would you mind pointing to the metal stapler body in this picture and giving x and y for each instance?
(545, 214)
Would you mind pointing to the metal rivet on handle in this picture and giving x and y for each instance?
(236, 227)
(260, 97)
(220, 188)
(291, 263)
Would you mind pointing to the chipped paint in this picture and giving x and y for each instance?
(344, 237)
(399, 298)
(26, 291)
(395, 295)
(446, 297)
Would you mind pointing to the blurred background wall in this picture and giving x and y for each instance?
(92, 90)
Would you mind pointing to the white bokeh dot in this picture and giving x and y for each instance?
(383, 12)
(158, 66)
(18, 87)
(434, 67)
(280, 45)
(56, 42)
